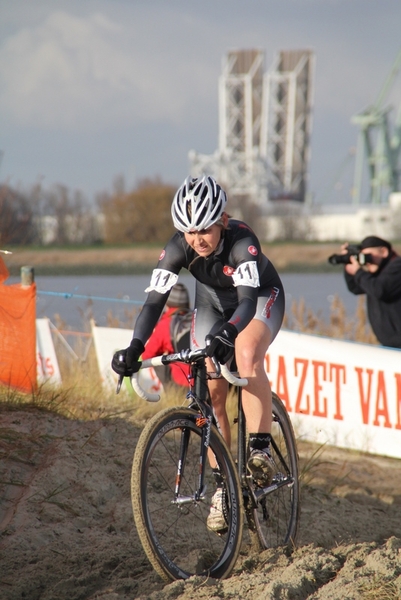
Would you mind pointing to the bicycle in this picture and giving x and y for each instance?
(172, 481)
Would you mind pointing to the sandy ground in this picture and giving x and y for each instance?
(67, 530)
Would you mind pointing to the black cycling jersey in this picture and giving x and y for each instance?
(237, 271)
(383, 297)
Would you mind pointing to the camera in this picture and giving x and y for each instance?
(352, 250)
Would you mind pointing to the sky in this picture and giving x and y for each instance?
(91, 90)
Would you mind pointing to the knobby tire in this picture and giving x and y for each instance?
(175, 537)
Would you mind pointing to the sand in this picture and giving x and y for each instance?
(67, 530)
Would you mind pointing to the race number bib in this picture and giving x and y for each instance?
(246, 274)
(162, 281)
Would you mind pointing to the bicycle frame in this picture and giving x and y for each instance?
(183, 440)
(199, 396)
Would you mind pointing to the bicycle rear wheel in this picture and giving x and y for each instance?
(274, 521)
(173, 533)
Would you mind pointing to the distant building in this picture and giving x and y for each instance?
(324, 223)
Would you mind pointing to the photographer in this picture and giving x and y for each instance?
(376, 272)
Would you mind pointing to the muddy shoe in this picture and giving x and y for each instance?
(261, 467)
(216, 521)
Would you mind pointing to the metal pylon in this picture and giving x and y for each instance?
(378, 147)
(264, 126)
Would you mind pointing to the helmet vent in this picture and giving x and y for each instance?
(198, 204)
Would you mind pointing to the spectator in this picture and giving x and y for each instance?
(161, 342)
(380, 280)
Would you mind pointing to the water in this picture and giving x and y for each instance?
(317, 289)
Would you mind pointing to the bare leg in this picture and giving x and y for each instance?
(218, 391)
(250, 349)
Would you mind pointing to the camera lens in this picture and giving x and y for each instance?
(339, 259)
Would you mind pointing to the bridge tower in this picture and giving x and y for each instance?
(287, 123)
(264, 126)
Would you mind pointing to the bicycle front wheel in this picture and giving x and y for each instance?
(172, 527)
(274, 520)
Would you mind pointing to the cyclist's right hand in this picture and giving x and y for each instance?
(221, 345)
(126, 362)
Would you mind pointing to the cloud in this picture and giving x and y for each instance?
(158, 63)
(88, 89)
(90, 71)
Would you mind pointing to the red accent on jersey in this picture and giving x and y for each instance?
(228, 270)
(252, 250)
(162, 255)
(269, 303)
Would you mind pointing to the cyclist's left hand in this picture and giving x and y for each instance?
(222, 343)
(126, 362)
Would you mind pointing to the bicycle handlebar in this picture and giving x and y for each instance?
(185, 356)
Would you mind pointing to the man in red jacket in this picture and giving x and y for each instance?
(160, 341)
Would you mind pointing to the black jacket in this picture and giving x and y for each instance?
(383, 297)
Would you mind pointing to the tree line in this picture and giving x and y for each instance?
(60, 217)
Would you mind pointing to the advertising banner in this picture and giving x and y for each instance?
(109, 339)
(47, 367)
(341, 393)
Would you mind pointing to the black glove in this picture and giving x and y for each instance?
(125, 362)
(222, 343)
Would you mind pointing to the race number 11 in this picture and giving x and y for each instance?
(246, 274)
(162, 281)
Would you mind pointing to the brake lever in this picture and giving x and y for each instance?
(121, 359)
(120, 380)
(216, 365)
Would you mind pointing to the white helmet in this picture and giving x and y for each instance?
(198, 203)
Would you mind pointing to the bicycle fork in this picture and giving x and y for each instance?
(203, 420)
(200, 491)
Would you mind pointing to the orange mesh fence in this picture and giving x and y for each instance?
(3, 271)
(17, 334)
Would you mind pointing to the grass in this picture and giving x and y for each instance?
(82, 396)
(379, 588)
(87, 269)
(315, 471)
(339, 325)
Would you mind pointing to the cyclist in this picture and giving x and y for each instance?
(239, 303)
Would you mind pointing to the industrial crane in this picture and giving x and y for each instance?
(380, 147)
